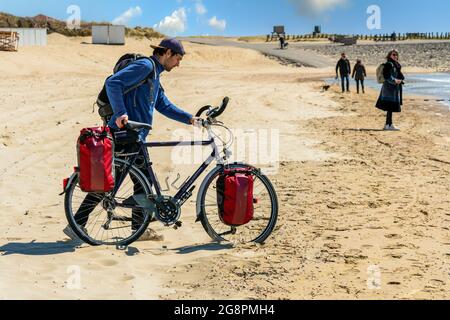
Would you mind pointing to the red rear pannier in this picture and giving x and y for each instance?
(235, 196)
(95, 160)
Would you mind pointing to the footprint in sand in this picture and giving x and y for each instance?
(437, 282)
(128, 278)
(333, 246)
(108, 263)
(395, 256)
(393, 236)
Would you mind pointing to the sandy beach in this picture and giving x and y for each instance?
(364, 214)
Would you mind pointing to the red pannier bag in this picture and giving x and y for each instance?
(235, 196)
(95, 160)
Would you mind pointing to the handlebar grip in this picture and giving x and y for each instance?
(222, 107)
(132, 125)
(205, 108)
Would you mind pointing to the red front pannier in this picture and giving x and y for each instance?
(235, 196)
(95, 160)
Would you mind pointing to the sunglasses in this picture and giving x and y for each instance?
(395, 54)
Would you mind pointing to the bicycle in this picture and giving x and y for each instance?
(105, 219)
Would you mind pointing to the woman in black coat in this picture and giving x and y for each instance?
(359, 74)
(391, 99)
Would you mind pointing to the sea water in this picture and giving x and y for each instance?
(431, 85)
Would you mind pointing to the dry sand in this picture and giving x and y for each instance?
(364, 214)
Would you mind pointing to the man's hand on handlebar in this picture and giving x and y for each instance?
(196, 122)
(122, 121)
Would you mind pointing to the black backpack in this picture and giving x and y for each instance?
(104, 106)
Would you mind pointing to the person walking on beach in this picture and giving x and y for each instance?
(391, 96)
(282, 42)
(138, 106)
(359, 74)
(344, 69)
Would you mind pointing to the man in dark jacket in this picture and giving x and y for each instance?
(282, 42)
(344, 69)
(140, 104)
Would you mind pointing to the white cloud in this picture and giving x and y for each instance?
(173, 24)
(217, 24)
(128, 15)
(200, 8)
(316, 7)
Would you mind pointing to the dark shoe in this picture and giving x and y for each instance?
(71, 234)
(390, 128)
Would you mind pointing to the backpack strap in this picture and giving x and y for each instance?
(152, 76)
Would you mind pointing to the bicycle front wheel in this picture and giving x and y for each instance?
(100, 219)
(265, 209)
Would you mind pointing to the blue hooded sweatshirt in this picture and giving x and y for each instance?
(140, 103)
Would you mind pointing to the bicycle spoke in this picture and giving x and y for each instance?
(88, 209)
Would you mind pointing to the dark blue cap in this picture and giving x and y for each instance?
(172, 44)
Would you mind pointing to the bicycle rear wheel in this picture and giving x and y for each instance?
(265, 210)
(99, 219)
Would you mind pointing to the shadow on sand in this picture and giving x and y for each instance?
(204, 247)
(364, 130)
(34, 248)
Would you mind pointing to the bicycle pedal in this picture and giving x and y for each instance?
(177, 225)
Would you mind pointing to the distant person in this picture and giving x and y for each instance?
(391, 96)
(394, 36)
(359, 74)
(282, 42)
(344, 69)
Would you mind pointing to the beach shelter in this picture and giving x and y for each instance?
(108, 35)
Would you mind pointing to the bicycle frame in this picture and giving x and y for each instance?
(186, 187)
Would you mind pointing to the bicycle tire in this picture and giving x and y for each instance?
(203, 215)
(94, 242)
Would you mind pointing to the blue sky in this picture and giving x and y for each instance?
(248, 17)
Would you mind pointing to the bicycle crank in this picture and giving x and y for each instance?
(168, 211)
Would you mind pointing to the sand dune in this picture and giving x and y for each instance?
(342, 212)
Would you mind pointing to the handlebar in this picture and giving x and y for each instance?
(216, 112)
(222, 107)
(212, 113)
(205, 108)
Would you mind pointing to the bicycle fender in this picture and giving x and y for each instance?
(69, 183)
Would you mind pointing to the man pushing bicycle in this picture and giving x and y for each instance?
(138, 104)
